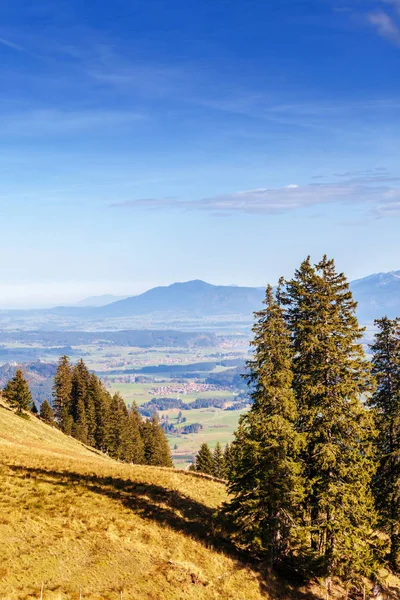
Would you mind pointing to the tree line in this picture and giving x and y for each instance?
(214, 463)
(314, 469)
(83, 408)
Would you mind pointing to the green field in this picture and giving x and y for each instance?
(120, 369)
(218, 426)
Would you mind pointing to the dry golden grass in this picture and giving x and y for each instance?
(77, 520)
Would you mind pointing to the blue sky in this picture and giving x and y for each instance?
(145, 141)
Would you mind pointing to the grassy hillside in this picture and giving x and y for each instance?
(75, 519)
(80, 523)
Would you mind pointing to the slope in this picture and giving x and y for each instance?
(377, 295)
(74, 519)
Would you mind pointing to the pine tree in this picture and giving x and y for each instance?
(156, 448)
(80, 383)
(46, 412)
(386, 404)
(79, 426)
(218, 462)
(204, 460)
(18, 393)
(265, 472)
(228, 459)
(146, 433)
(117, 428)
(134, 421)
(161, 454)
(101, 400)
(62, 395)
(330, 375)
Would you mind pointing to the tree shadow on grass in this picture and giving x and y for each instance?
(173, 509)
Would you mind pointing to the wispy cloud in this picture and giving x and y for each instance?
(11, 45)
(60, 122)
(377, 200)
(386, 26)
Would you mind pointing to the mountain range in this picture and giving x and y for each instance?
(377, 295)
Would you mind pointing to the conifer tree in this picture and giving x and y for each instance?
(137, 446)
(204, 460)
(80, 382)
(156, 448)
(46, 412)
(117, 427)
(161, 454)
(18, 393)
(330, 375)
(100, 399)
(228, 459)
(386, 404)
(62, 395)
(79, 426)
(146, 433)
(265, 472)
(218, 462)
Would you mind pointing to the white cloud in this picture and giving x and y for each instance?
(272, 201)
(385, 26)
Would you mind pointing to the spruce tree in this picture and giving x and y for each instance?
(156, 448)
(228, 459)
(117, 428)
(330, 375)
(161, 454)
(218, 462)
(82, 419)
(18, 393)
(204, 460)
(101, 400)
(146, 433)
(265, 472)
(46, 412)
(386, 404)
(137, 446)
(79, 426)
(62, 395)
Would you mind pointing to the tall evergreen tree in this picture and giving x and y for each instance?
(161, 454)
(228, 459)
(101, 400)
(218, 462)
(79, 426)
(18, 393)
(204, 460)
(46, 413)
(137, 447)
(62, 395)
(330, 375)
(386, 402)
(82, 419)
(265, 473)
(117, 427)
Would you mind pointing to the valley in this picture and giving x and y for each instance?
(190, 343)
